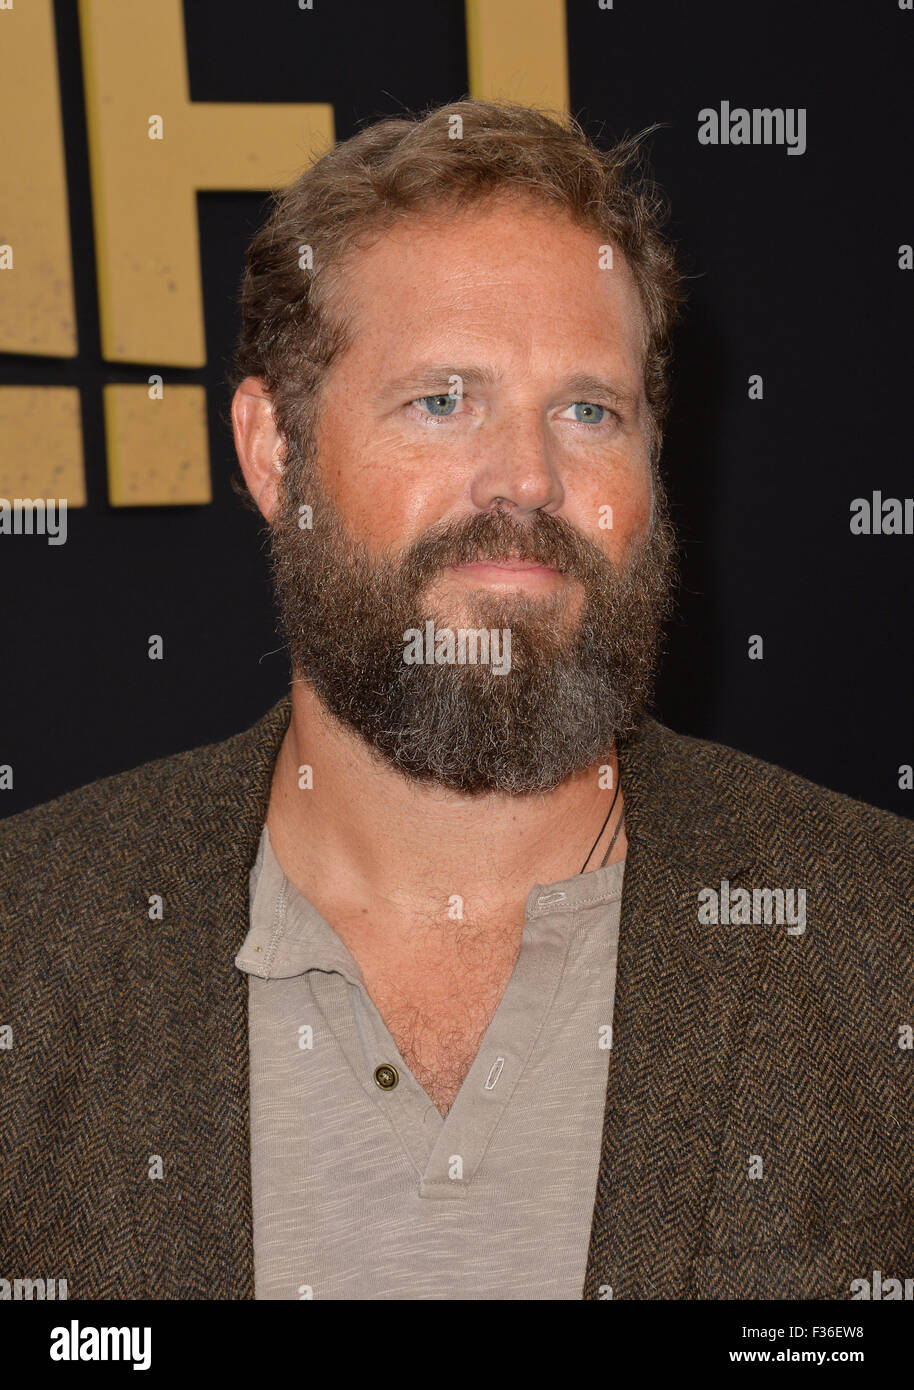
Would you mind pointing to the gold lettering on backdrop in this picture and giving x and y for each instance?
(155, 447)
(36, 295)
(150, 149)
(517, 50)
(41, 444)
(135, 68)
(40, 431)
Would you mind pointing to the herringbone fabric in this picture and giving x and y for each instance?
(733, 1046)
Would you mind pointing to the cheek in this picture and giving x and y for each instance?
(619, 512)
(637, 506)
(383, 493)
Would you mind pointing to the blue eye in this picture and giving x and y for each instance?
(438, 405)
(588, 415)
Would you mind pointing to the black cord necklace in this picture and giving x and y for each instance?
(603, 827)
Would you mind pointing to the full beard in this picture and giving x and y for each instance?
(573, 689)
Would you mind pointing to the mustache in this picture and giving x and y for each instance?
(498, 536)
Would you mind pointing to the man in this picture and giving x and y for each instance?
(458, 975)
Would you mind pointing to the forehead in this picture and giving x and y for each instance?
(507, 271)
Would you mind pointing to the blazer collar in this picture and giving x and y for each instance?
(677, 1017)
(185, 1045)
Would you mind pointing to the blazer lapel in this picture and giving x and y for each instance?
(677, 1021)
(186, 1044)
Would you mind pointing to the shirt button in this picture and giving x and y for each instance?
(386, 1076)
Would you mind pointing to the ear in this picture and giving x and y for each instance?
(258, 444)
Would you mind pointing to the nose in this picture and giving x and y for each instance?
(516, 469)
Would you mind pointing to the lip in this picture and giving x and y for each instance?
(507, 567)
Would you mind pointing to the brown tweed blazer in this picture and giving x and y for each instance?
(730, 1043)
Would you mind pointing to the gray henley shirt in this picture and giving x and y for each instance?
(361, 1192)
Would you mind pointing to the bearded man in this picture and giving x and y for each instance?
(472, 979)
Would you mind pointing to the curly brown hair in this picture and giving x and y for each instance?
(293, 319)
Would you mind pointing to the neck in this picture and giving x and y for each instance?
(377, 840)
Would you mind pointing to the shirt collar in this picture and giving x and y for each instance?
(288, 935)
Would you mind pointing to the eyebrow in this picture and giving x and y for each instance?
(582, 385)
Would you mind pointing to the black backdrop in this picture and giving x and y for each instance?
(794, 265)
